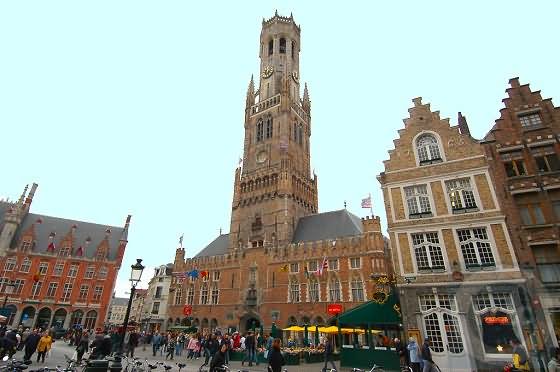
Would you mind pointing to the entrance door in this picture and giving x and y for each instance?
(442, 326)
(44, 318)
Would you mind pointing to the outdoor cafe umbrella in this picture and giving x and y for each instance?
(294, 328)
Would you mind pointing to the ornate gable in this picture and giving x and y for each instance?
(428, 139)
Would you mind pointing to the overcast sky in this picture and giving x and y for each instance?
(118, 107)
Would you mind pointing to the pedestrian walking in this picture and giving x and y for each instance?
(219, 359)
(170, 348)
(275, 358)
(156, 343)
(414, 354)
(520, 359)
(250, 348)
(132, 344)
(82, 347)
(426, 354)
(31, 343)
(44, 346)
(328, 354)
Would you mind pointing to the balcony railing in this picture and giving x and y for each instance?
(265, 105)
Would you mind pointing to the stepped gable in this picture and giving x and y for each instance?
(86, 234)
(328, 225)
(217, 247)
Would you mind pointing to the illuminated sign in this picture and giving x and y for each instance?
(496, 320)
(334, 309)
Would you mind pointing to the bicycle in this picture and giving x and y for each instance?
(375, 367)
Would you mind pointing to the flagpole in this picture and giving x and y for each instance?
(370, 205)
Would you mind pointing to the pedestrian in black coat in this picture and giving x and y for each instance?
(219, 359)
(31, 343)
(275, 357)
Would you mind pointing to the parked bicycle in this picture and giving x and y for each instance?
(375, 367)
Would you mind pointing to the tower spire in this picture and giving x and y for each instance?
(306, 101)
(251, 93)
(463, 125)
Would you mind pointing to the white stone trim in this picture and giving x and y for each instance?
(435, 164)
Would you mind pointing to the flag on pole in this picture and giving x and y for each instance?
(181, 240)
(366, 203)
(324, 266)
(180, 275)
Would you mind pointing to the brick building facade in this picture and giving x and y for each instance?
(522, 150)
(456, 267)
(265, 269)
(62, 271)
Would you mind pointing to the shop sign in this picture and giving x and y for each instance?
(187, 310)
(334, 309)
(496, 320)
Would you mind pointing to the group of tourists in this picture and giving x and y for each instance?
(26, 340)
(216, 347)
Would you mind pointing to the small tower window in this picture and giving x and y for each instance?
(428, 149)
(260, 130)
(295, 132)
(269, 127)
(283, 46)
(270, 47)
(300, 134)
(293, 49)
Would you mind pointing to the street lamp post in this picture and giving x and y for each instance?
(135, 275)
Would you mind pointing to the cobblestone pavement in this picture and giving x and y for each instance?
(60, 348)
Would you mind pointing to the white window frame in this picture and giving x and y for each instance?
(312, 282)
(352, 266)
(413, 193)
(338, 289)
(430, 256)
(294, 267)
(494, 306)
(57, 266)
(439, 146)
(459, 192)
(312, 269)
(25, 266)
(89, 273)
(294, 292)
(474, 240)
(214, 294)
(10, 264)
(66, 292)
(440, 305)
(331, 266)
(204, 294)
(43, 268)
(73, 270)
(55, 286)
(354, 291)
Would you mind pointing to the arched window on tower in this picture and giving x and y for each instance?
(260, 130)
(293, 49)
(283, 46)
(269, 127)
(300, 134)
(295, 132)
(428, 149)
(270, 47)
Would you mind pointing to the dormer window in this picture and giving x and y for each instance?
(64, 251)
(530, 121)
(428, 149)
(270, 47)
(283, 46)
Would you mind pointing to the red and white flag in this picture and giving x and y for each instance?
(366, 203)
(324, 266)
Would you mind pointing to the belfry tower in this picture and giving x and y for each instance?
(274, 188)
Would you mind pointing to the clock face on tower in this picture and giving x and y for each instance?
(267, 72)
(261, 157)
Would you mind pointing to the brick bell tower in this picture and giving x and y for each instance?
(274, 187)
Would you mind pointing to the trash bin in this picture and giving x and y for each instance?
(97, 366)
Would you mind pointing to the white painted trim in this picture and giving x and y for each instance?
(464, 283)
(453, 224)
(399, 252)
(542, 143)
(435, 164)
(510, 148)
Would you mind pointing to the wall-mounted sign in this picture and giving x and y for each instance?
(334, 309)
(187, 310)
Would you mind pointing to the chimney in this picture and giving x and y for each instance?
(463, 126)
